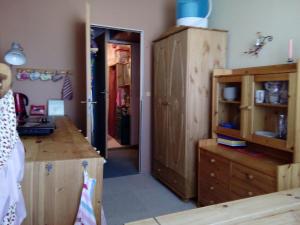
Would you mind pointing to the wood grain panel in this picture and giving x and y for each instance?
(253, 178)
(206, 51)
(288, 176)
(177, 101)
(277, 209)
(297, 118)
(48, 195)
(190, 56)
(160, 129)
(52, 197)
(292, 102)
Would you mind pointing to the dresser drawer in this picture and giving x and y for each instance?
(209, 200)
(172, 179)
(176, 181)
(251, 178)
(209, 190)
(240, 190)
(213, 161)
(214, 169)
(213, 198)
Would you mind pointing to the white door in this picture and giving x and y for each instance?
(96, 87)
(88, 74)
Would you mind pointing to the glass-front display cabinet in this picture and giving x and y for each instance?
(256, 105)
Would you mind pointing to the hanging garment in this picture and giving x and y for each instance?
(86, 215)
(67, 92)
(12, 207)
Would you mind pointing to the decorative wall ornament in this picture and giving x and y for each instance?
(259, 44)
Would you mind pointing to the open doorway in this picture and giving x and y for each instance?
(116, 73)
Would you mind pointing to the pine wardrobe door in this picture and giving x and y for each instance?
(177, 102)
(160, 131)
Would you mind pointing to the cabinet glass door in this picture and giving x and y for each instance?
(228, 95)
(273, 110)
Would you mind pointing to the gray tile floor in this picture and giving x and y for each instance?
(136, 197)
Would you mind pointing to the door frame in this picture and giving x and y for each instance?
(142, 66)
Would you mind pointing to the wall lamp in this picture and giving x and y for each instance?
(15, 55)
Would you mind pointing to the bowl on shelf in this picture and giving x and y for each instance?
(268, 134)
(230, 93)
(228, 125)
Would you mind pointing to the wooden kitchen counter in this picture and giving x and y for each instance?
(279, 208)
(53, 176)
(65, 143)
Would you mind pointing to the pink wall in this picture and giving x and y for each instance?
(52, 35)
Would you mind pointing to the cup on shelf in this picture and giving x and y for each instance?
(230, 93)
(260, 96)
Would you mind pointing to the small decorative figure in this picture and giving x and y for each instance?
(259, 44)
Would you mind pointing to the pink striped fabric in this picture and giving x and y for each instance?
(67, 92)
(86, 215)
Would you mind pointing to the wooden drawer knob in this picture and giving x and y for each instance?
(211, 202)
(212, 160)
(158, 170)
(212, 188)
(212, 174)
(250, 176)
(250, 193)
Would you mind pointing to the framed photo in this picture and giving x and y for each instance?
(56, 107)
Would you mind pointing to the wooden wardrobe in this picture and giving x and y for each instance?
(183, 62)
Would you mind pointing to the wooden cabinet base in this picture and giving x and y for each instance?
(53, 178)
(53, 197)
(226, 174)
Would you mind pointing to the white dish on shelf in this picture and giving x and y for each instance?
(266, 134)
(230, 93)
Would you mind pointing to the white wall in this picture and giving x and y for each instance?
(243, 18)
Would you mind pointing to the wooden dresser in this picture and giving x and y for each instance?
(184, 59)
(53, 176)
(225, 174)
(267, 164)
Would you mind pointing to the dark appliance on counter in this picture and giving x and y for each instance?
(36, 126)
(21, 101)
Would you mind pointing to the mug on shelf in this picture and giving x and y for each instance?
(260, 96)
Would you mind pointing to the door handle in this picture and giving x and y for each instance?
(104, 92)
(85, 102)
